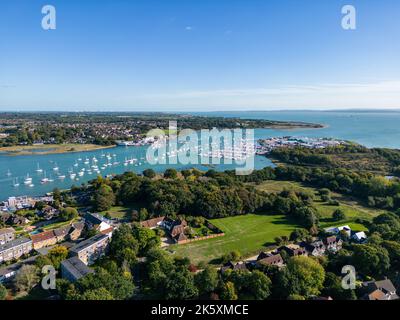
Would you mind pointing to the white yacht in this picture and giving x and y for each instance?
(16, 183)
(39, 170)
(44, 179)
(28, 180)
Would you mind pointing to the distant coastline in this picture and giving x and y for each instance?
(44, 149)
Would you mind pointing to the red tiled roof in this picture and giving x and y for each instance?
(377, 295)
(43, 236)
(107, 230)
(151, 223)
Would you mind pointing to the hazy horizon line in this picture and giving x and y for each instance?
(172, 110)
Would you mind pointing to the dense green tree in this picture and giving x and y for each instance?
(116, 283)
(54, 257)
(299, 235)
(179, 285)
(146, 238)
(228, 291)
(130, 189)
(231, 256)
(206, 280)
(303, 276)
(124, 246)
(338, 215)
(143, 214)
(333, 288)
(170, 173)
(68, 213)
(26, 278)
(371, 260)
(149, 173)
(97, 294)
(56, 194)
(393, 249)
(3, 292)
(104, 198)
(259, 285)
(296, 297)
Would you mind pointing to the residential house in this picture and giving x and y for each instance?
(270, 259)
(315, 248)
(240, 266)
(333, 243)
(62, 233)
(91, 249)
(7, 273)
(380, 290)
(176, 229)
(180, 237)
(97, 221)
(18, 220)
(108, 232)
(44, 239)
(4, 217)
(49, 212)
(337, 230)
(73, 269)
(49, 238)
(15, 249)
(153, 223)
(294, 250)
(76, 230)
(359, 237)
(6, 235)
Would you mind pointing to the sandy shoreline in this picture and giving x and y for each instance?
(50, 149)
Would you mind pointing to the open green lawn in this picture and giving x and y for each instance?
(57, 225)
(248, 234)
(352, 208)
(120, 212)
(251, 233)
(117, 212)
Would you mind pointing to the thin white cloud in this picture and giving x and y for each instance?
(385, 94)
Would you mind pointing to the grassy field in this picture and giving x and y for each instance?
(49, 149)
(120, 212)
(116, 212)
(58, 225)
(248, 234)
(351, 208)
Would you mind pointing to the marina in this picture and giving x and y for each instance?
(21, 175)
(78, 168)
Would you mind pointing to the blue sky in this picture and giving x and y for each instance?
(199, 55)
